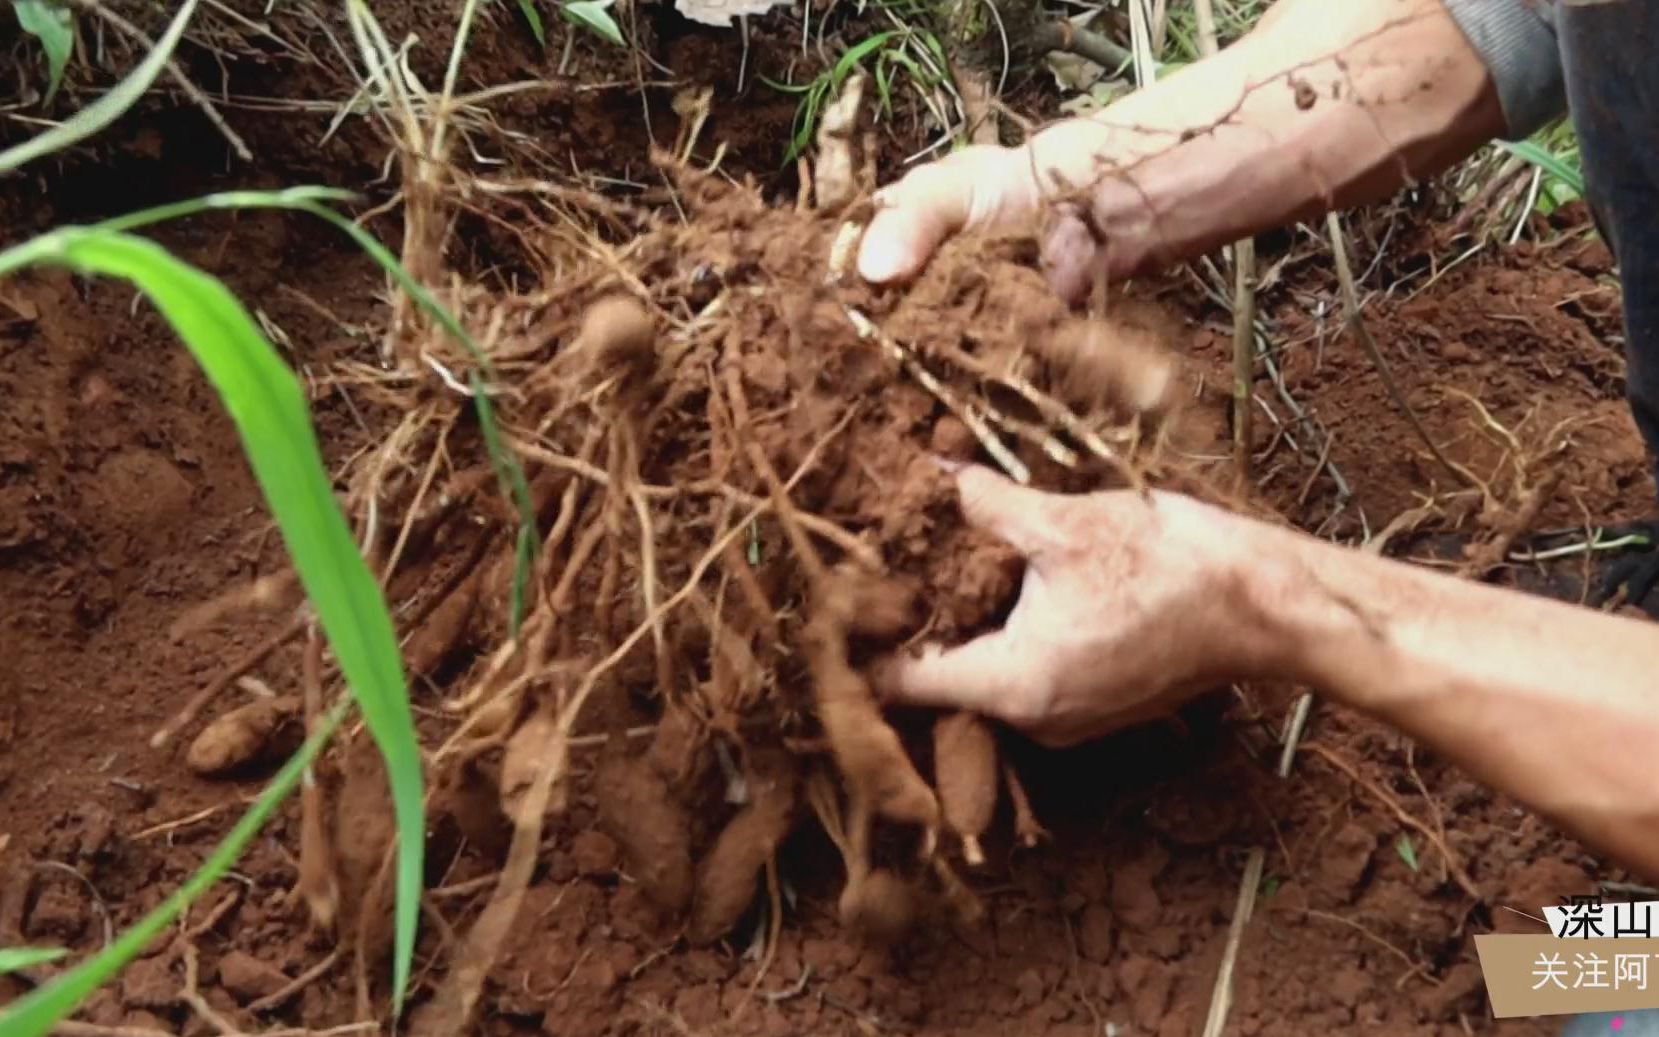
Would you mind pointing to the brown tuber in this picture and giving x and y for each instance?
(241, 737)
(965, 772)
(640, 811)
(445, 627)
(877, 906)
(728, 875)
(531, 750)
(866, 748)
(617, 339)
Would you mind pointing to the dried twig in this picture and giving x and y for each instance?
(965, 412)
(1221, 999)
(1244, 298)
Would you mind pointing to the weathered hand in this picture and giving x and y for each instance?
(995, 189)
(1129, 606)
(980, 188)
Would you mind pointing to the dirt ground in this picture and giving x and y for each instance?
(125, 505)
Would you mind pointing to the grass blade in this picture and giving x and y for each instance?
(268, 406)
(54, 27)
(106, 109)
(1549, 162)
(531, 15)
(34, 1014)
(14, 958)
(1408, 853)
(594, 16)
(856, 54)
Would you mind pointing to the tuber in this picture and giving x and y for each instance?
(728, 875)
(877, 905)
(965, 772)
(241, 737)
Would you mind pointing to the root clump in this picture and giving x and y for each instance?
(734, 453)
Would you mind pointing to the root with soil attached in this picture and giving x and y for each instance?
(731, 456)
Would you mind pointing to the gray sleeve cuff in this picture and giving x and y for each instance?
(1516, 40)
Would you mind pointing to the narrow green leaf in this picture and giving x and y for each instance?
(533, 16)
(110, 106)
(857, 53)
(595, 16)
(1406, 850)
(1549, 162)
(35, 1013)
(787, 88)
(54, 27)
(14, 958)
(268, 406)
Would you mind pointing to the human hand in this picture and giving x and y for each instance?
(1129, 606)
(987, 188)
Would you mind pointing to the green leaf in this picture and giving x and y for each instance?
(1548, 161)
(594, 15)
(54, 27)
(533, 16)
(110, 106)
(35, 1013)
(1406, 850)
(14, 958)
(787, 88)
(857, 53)
(268, 406)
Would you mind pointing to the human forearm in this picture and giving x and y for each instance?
(1555, 705)
(1323, 105)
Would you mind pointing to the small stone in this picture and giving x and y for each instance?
(1343, 865)
(593, 853)
(150, 983)
(1456, 992)
(249, 979)
(1134, 899)
(1348, 986)
(1150, 1002)
(103, 1008)
(1165, 942)
(142, 1020)
(1094, 933)
(59, 914)
(952, 439)
(1029, 987)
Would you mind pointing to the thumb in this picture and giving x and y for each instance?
(1019, 515)
(969, 190)
(978, 676)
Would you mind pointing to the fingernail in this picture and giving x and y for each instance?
(949, 465)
